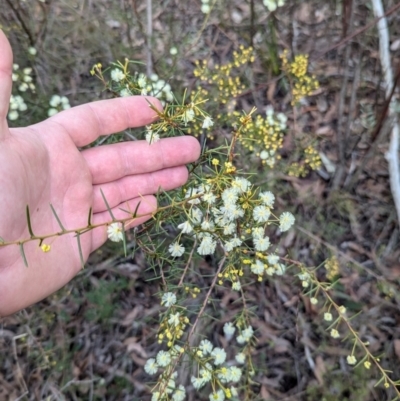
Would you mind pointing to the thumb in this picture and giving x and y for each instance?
(6, 60)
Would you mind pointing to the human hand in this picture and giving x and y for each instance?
(41, 165)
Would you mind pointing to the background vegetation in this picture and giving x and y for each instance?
(91, 339)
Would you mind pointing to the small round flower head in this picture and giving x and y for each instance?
(235, 374)
(171, 386)
(229, 330)
(155, 396)
(351, 359)
(117, 75)
(219, 355)
(280, 269)
(335, 333)
(206, 374)
(23, 87)
(209, 198)
(258, 267)
(65, 103)
(267, 198)
(196, 215)
(314, 301)
(159, 85)
(45, 248)
(270, 271)
(188, 115)
(174, 319)
(261, 214)
(268, 157)
(245, 335)
(27, 78)
(151, 366)
(168, 94)
(236, 286)
(163, 358)
(258, 232)
(217, 396)
(272, 259)
(342, 310)
(229, 229)
(142, 81)
(197, 382)
(304, 276)
(241, 184)
(206, 347)
(233, 243)
(20, 103)
(207, 123)
(177, 350)
(205, 8)
(230, 196)
(55, 101)
(173, 51)
(207, 245)
(176, 249)
(51, 112)
(168, 299)
(180, 394)
(207, 225)
(114, 232)
(224, 374)
(240, 358)
(185, 227)
(328, 316)
(152, 137)
(367, 364)
(125, 92)
(248, 332)
(32, 51)
(282, 119)
(232, 212)
(13, 115)
(261, 244)
(269, 111)
(286, 220)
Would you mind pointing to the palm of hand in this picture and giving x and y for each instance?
(51, 170)
(42, 165)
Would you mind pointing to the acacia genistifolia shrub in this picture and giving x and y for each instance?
(219, 215)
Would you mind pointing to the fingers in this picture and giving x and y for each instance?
(148, 205)
(113, 162)
(135, 186)
(86, 123)
(6, 60)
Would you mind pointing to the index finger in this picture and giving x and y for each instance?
(86, 123)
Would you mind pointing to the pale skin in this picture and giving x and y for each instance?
(42, 165)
